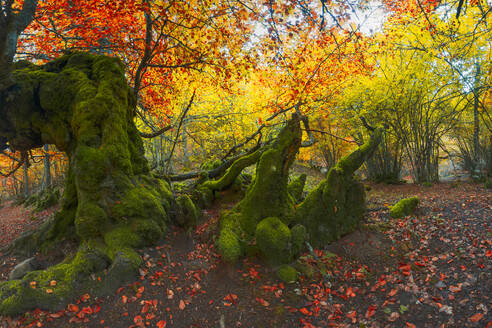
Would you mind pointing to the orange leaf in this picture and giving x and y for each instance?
(124, 299)
(182, 305)
(138, 320)
(476, 317)
(410, 325)
(73, 308)
(49, 291)
(161, 324)
(304, 311)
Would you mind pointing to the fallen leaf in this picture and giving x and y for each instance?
(73, 308)
(182, 305)
(161, 324)
(476, 317)
(393, 316)
(370, 311)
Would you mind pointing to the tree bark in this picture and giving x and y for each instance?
(111, 204)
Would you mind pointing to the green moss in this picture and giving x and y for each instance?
(404, 207)
(139, 203)
(296, 187)
(149, 231)
(336, 206)
(232, 172)
(267, 208)
(36, 289)
(488, 184)
(203, 196)
(273, 238)
(91, 220)
(210, 165)
(229, 245)
(122, 237)
(188, 214)
(287, 274)
(299, 236)
(83, 104)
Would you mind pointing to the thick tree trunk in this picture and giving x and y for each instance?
(111, 203)
(266, 222)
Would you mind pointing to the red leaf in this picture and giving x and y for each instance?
(161, 324)
(138, 321)
(305, 311)
(476, 317)
(370, 311)
(392, 292)
(73, 308)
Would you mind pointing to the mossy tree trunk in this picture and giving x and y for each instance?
(266, 222)
(267, 203)
(335, 207)
(111, 204)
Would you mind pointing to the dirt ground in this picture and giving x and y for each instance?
(431, 269)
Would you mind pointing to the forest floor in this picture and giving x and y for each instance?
(432, 269)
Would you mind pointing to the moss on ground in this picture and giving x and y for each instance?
(404, 207)
(287, 274)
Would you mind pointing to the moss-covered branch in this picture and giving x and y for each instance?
(233, 172)
(267, 209)
(335, 207)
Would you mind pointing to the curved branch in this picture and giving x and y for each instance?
(215, 173)
(156, 133)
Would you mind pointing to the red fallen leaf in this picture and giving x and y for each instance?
(304, 311)
(352, 315)
(197, 276)
(56, 315)
(161, 324)
(350, 292)
(138, 320)
(84, 311)
(476, 317)
(455, 289)
(85, 297)
(145, 308)
(405, 269)
(231, 298)
(370, 311)
(419, 264)
(96, 308)
(410, 325)
(124, 299)
(182, 305)
(392, 292)
(141, 289)
(73, 308)
(262, 301)
(488, 253)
